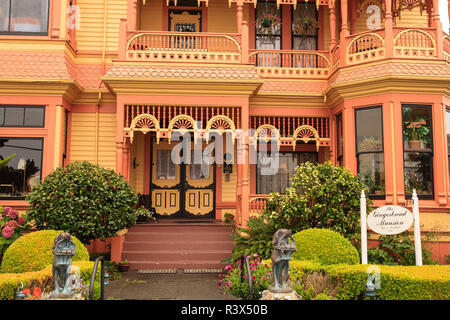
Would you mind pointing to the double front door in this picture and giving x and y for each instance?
(180, 189)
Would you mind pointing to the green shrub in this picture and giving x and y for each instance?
(325, 247)
(322, 196)
(33, 252)
(9, 282)
(396, 282)
(86, 200)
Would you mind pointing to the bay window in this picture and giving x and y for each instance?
(281, 179)
(24, 16)
(418, 150)
(20, 166)
(369, 149)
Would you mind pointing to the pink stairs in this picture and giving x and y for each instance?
(172, 245)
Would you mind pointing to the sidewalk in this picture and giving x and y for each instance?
(179, 286)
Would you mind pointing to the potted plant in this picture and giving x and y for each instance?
(268, 24)
(305, 25)
(144, 215)
(124, 265)
(416, 130)
(229, 217)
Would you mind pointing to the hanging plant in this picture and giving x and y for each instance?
(305, 26)
(268, 24)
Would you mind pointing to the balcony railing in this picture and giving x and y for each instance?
(295, 64)
(366, 46)
(257, 203)
(414, 43)
(183, 47)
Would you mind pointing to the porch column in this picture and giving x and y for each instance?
(332, 7)
(436, 22)
(126, 161)
(389, 29)
(245, 193)
(239, 14)
(120, 109)
(132, 15)
(344, 32)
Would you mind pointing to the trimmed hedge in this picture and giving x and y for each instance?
(324, 246)
(33, 252)
(430, 282)
(9, 282)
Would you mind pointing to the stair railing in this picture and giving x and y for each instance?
(102, 279)
(249, 275)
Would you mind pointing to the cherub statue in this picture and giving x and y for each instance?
(284, 247)
(64, 249)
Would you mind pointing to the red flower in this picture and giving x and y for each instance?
(26, 292)
(13, 214)
(5, 211)
(21, 220)
(37, 292)
(12, 224)
(7, 232)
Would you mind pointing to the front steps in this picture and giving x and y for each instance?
(174, 245)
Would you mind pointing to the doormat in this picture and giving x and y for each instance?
(157, 271)
(202, 270)
(193, 221)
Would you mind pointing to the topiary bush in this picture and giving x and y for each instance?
(324, 246)
(86, 200)
(33, 252)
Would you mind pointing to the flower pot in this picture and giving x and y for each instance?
(124, 267)
(415, 144)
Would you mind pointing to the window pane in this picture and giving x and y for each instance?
(34, 117)
(4, 15)
(448, 138)
(418, 173)
(304, 20)
(264, 24)
(14, 116)
(339, 138)
(304, 43)
(417, 127)
(369, 130)
(23, 171)
(278, 182)
(165, 168)
(2, 116)
(371, 171)
(29, 16)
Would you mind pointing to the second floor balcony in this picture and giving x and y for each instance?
(282, 41)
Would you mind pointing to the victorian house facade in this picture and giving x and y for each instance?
(363, 84)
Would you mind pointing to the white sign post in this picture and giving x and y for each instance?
(363, 229)
(390, 220)
(417, 240)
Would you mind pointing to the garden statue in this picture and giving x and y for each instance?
(284, 247)
(63, 250)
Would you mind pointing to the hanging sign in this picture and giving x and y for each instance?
(389, 220)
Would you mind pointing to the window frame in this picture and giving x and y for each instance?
(339, 156)
(41, 168)
(293, 36)
(4, 106)
(260, 35)
(22, 33)
(358, 153)
(285, 152)
(431, 152)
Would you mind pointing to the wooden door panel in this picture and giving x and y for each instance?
(199, 202)
(166, 202)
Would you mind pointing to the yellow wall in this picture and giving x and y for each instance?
(361, 21)
(137, 151)
(83, 142)
(92, 13)
(151, 16)
(221, 18)
(412, 18)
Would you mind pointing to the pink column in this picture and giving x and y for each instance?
(389, 29)
(436, 22)
(344, 32)
(332, 24)
(132, 14)
(239, 14)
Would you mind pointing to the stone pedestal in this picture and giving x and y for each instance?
(280, 294)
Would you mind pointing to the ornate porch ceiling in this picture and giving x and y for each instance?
(182, 80)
